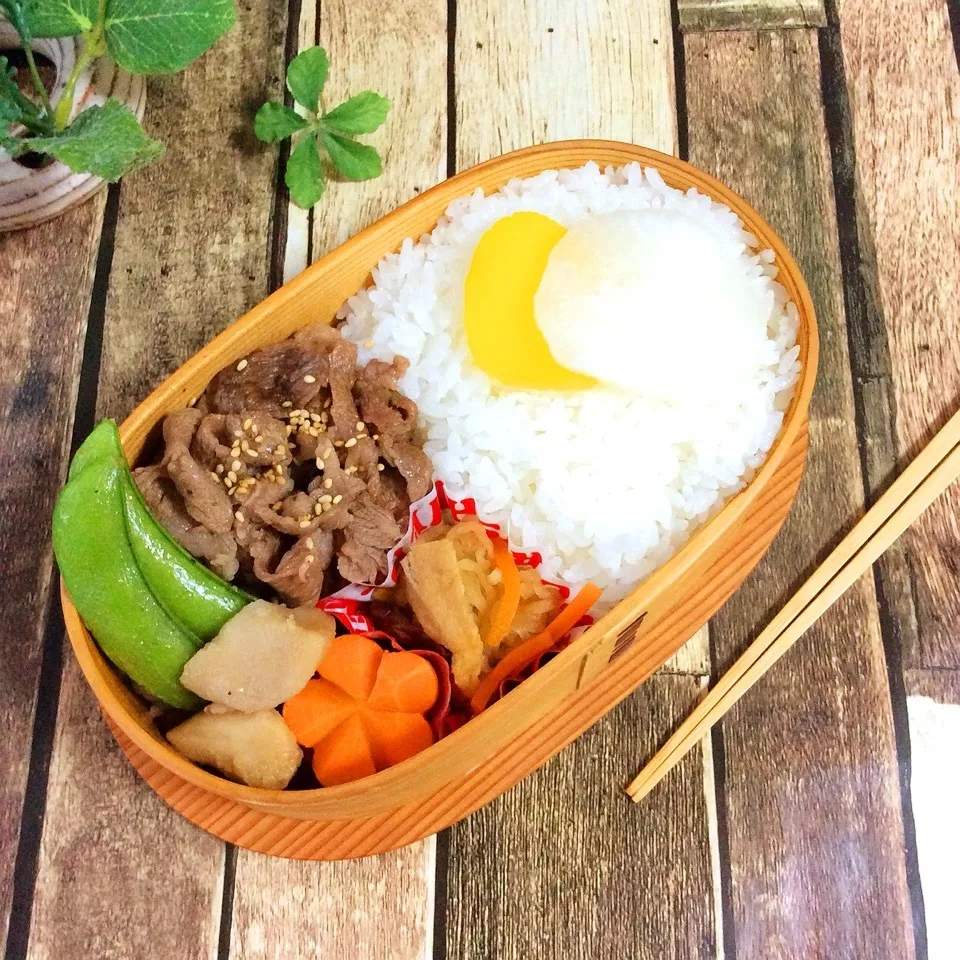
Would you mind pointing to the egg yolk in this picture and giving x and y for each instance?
(498, 313)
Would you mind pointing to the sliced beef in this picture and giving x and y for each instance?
(214, 438)
(393, 494)
(385, 488)
(265, 493)
(345, 486)
(298, 577)
(166, 504)
(343, 371)
(203, 496)
(179, 428)
(308, 444)
(373, 525)
(319, 338)
(266, 378)
(368, 537)
(264, 440)
(291, 457)
(296, 516)
(381, 402)
(411, 463)
(359, 562)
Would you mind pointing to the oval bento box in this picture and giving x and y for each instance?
(547, 711)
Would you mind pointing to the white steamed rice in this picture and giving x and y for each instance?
(604, 485)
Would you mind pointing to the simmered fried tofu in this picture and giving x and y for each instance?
(436, 594)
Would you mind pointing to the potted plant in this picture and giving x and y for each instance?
(61, 141)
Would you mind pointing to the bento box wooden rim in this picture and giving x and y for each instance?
(457, 753)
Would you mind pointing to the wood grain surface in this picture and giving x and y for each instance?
(44, 300)
(816, 734)
(549, 72)
(119, 872)
(905, 119)
(791, 835)
(565, 867)
(529, 71)
(940, 685)
(383, 906)
(749, 14)
(400, 50)
(355, 910)
(191, 253)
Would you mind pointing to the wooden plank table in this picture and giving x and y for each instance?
(819, 819)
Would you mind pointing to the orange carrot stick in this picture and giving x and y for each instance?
(506, 607)
(529, 650)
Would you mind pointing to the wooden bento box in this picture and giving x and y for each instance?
(517, 734)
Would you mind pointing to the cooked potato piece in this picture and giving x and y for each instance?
(257, 749)
(261, 657)
(436, 594)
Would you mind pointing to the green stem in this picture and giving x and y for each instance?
(93, 46)
(37, 82)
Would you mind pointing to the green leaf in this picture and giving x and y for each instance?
(106, 141)
(163, 36)
(14, 12)
(304, 176)
(9, 114)
(59, 18)
(26, 111)
(356, 161)
(360, 114)
(274, 122)
(306, 76)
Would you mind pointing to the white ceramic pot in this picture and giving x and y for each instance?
(29, 196)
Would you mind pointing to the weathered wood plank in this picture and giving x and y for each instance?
(812, 748)
(400, 50)
(749, 14)
(693, 657)
(904, 116)
(940, 685)
(193, 238)
(870, 357)
(532, 72)
(616, 82)
(352, 910)
(382, 906)
(120, 875)
(564, 866)
(299, 228)
(44, 300)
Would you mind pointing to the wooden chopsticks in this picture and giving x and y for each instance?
(930, 473)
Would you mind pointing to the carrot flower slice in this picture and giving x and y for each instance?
(506, 607)
(527, 652)
(366, 710)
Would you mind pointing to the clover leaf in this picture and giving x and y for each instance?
(320, 131)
